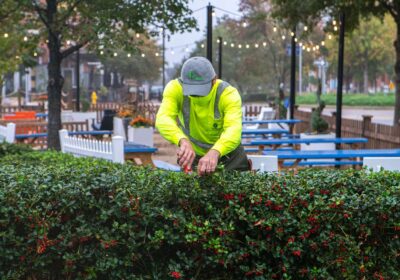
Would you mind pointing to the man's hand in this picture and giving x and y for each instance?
(208, 162)
(185, 153)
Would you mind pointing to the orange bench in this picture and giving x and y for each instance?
(24, 115)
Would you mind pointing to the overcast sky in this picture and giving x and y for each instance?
(187, 39)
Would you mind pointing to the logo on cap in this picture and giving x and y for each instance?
(193, 75)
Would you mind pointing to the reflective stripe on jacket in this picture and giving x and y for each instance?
(223, 133)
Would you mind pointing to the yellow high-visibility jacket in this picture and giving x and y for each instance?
(223, 133)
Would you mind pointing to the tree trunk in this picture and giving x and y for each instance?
(396, 118)
(55, 82)
(365, 86)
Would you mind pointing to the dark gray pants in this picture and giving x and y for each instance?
(235, 160)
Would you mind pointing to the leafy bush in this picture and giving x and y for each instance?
(7, 148)
(76, 218)
(354, 99)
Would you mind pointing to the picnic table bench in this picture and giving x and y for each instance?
(264, 131)
(139, 154)
(349, 157)
(275, 143)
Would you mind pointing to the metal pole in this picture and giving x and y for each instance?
(163, 58)
(300, 70)
(340, 77)
(220, 58)
(77, 105)
(209, 32)
(293, 75)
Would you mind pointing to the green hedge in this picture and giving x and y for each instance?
(73, 218)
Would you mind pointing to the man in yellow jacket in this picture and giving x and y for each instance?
(202, 115)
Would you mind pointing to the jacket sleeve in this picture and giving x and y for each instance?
(169, 112)
(231, 106)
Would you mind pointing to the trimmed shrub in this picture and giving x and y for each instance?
(77, 218)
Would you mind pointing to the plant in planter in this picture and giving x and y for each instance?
(122, 120)
(318, 126)
(140, 131)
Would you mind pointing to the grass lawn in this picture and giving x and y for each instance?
(354, 99)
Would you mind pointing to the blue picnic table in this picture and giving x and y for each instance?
(277, 142)
(294, 121)
(138, 153)
(265, 131)
(353, 157)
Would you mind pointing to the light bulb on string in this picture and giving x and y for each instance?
(128, 55)
(292, 34)
(305, 28)
(334, 22)
(308, 49)
(322, 43)
(300, 44)
(115, 54)
(137, 35)
(68, 42)
(101, 52)
(143, 55)
(202, 46)
(172, 52)
(274, 29)
(35, 54)
(225, 42)
(239, 46)
(256, 46)
(329, 36)
(25, 39)
(317, 47)
(295, 39)
(313, 48)
(304, 47)
(335, 28)
(16, 57)
(157, 54)
(5, 35)
(283, 37)
(244, 24)
(232, 45)
(213, 14)
(218, 41)
(247, 46)
(264, 44)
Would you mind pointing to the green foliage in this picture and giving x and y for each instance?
(318, 124)
(7, 148)
(354, 99)
(77, 218)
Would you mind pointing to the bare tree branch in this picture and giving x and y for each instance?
(72, 49)
(390, 8)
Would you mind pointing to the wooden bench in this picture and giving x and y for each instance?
(353, 157)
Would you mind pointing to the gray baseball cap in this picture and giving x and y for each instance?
(196, 76)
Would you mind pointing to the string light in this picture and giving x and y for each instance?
(115, 54)
(68, 42)
(305, 28)
(172, 52)
(157, 54)
(218, 41)
(247, 46)
(213, 14)
(317, 47)
(25, 38)
(101, 52)
(232, 45)
(35, 54)
(244, 24)
(225, 43)
(300, 44)
(308, 49)
(295, 39)
(304, 47)
(323, 43)
(334, 22)
(143, 55)
(329, 36)
(256, 46)
(137, 35)
(264, 44)
(202, 46)
(292, 34)
(5, 35)
(283, 37)
(275, 29)
(239, 46)
(129, 55)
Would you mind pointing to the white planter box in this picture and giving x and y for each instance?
(317, 146)
(141, 135)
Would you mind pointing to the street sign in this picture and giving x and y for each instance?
(289, 50)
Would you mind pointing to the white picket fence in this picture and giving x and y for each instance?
(112, 151)
(7, 133)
